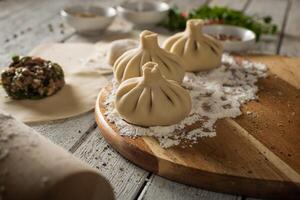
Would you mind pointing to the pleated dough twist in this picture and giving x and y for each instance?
(130, 63)
(197, 50)
(152, 100)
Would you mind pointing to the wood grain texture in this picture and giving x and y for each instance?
(33, 14)
(280, 104)
(41, 34)
(67, 134)
(13, 6)
(161, 188)
(170, 189)
(125, 177)
(70, 133)
(278, 163)
(274, 8)
(213, 163)
(291, 40)
(63, 132)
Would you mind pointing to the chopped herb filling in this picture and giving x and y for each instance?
(32, 78)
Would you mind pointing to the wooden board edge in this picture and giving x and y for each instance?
(202, 179)
(291, 78)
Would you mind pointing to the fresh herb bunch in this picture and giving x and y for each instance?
(259, 25)
(176, 20)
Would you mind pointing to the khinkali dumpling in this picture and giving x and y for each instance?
(118, 47)
(152, 100)
(130, 64)
(198, 51)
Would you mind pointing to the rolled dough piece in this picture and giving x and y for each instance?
(83, 83)
(33, 168)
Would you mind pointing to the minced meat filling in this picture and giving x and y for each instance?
(32, 78)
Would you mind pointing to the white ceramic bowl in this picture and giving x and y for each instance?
(96, 18)
(247, 37)
(144, 13)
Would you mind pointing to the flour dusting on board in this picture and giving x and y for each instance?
(216, 94)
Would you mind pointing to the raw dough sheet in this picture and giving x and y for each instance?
(78, 96)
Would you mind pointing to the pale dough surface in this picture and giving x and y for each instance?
(129, 64)
(78, 96)
(198, 51)
(152, 100)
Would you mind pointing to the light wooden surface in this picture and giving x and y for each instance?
(272, 167)
(25, 24)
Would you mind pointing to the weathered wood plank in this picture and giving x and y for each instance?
(291, 40)
(68, 132)
(126, 178)
(9, 8)
(238, 4)
(161, 188)
(262, 166)
(276, 9)
(64, 132)
(55, 129)
(71, 132)
(39, 34)
(86, 148)
(32, 15)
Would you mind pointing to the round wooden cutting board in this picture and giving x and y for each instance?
(256, 154)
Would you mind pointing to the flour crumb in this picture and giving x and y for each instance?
(3, 154)
(215, 94)
(45, 180)
(293, 113)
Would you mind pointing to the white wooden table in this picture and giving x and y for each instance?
(27, 23)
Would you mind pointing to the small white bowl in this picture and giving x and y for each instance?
(89, 20)
(144, 13)
(247, 36)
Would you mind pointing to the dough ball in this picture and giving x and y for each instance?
(198, 51)
(130, 64)
(152, 100)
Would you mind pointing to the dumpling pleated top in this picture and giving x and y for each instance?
(152, 100)
(130, 63)
(197, 50)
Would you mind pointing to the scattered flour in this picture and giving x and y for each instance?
(216, 94)
(10, 134)
(3, 153)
